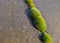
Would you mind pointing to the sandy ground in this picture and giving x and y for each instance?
(15, 26)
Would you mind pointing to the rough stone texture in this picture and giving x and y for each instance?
(15, 26)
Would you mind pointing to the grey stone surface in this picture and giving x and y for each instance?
(15, 26)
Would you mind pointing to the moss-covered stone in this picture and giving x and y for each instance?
(46, 38)
(37, 19)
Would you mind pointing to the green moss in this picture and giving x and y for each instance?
(37, 19)
(46, 38)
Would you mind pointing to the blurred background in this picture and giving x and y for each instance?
(15, 26)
